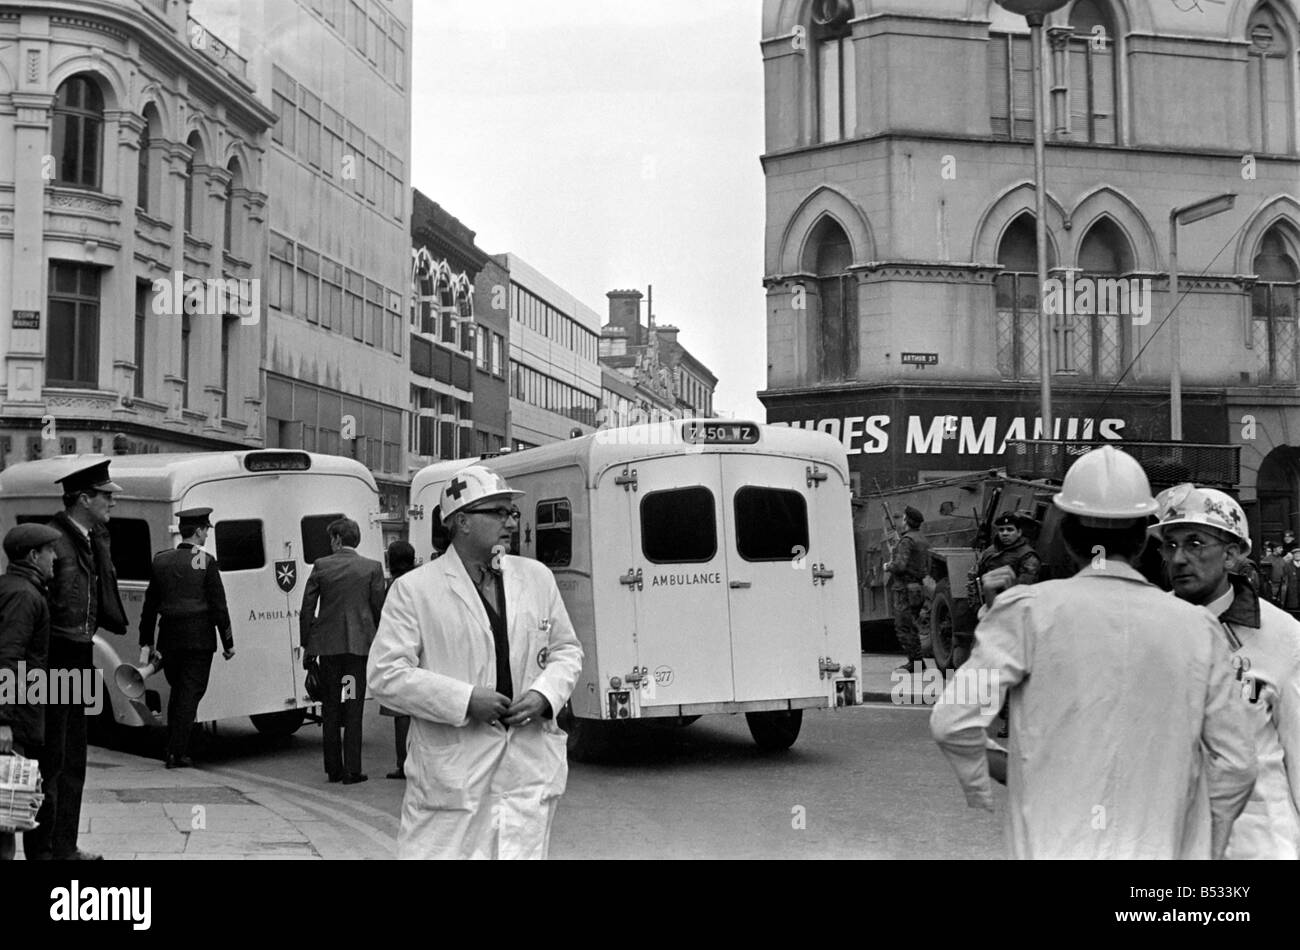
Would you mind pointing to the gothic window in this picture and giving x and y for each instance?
(835, 65)
(79, 133)
(1018, 300)
(1092, 72)
(837, 325)
(1095, 342)
(1273, 308)
(1269, 82)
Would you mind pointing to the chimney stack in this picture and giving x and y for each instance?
(625, 313)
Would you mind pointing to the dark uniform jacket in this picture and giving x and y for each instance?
(911, 561)
(83, 594)
(24, 638)
(188, 596)
(1020, 557)
(349, 589)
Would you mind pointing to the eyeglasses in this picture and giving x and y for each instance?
(1195, 548)
(503, 513)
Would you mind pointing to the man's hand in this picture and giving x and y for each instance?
(532, 705)
(307, 661)
(229, 654)
(146, 655)
(6, 740)
(487, 705)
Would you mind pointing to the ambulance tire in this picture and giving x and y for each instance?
(941, 628)
(588, 739)
(775, 731)
(280, 724)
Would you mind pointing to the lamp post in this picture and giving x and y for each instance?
(1034, 12)
(1188, 214)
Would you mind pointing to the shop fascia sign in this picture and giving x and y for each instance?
(938, 434)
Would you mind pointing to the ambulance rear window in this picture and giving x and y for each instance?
(771, 524)
(132, 552)
(240, 546)
(554, 533)
(679, 526)
(315, 536)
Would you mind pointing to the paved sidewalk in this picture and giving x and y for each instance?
(133, 808)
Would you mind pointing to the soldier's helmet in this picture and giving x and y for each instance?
(1188, 505)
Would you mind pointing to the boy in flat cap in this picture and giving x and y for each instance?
(83, 598)
(186, 592)
(909, 567)
(24, 641)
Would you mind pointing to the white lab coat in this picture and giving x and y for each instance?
(1269, 687)
(475, 790)
(1128, 737)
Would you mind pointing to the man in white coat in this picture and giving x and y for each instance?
(477, 648)
(1202, 533)
(1127, 736)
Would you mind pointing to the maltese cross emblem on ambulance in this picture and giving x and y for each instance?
(286, 575)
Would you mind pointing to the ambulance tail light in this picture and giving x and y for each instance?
(620, 703)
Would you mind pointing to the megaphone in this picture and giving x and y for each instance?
(130, 679)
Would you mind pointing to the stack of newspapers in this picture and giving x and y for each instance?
(20, 793)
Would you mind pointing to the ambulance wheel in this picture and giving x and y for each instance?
(941, 636)
(280, 724)
(775, 731)
(586, 737)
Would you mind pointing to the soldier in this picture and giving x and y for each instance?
(1010, 549)
(1202, 532)
(83, 598)
(909, 566)
(186, 592)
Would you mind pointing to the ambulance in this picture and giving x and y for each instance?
(270, 510)
(707, 565)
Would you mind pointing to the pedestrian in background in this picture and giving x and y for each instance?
(83, 599)
(24, 643)
(1202, 532)
(1289, 543)
(1127, 739)
(477, 647)
(401, 559)
(341, 606)
(1271, 571)
(1289, 595)
(909, 567)
(187, 601)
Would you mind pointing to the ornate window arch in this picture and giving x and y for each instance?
(78, 132)
(1018, 298)
(828, 254)
(1096, 342)
(1273, 305)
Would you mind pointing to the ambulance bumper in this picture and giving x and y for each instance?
(709, 709)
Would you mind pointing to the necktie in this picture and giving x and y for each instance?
(493, 598)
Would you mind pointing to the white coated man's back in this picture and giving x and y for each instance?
(1126, 728)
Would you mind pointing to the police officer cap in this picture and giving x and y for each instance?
(194, 518)
(27, 537)
(913, 515)
(91, 478)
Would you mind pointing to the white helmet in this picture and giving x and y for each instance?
(1105, 486)
(470, 486)
(1187, 504)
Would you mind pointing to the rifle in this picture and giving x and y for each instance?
(892, 534)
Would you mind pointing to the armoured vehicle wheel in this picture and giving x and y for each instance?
(941, 637)
(775, 731)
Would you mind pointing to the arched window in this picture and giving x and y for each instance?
(144, 161)
(837, 324)
(1092, 76)
(193, 196)
(1269, 81)
(1095, 339)
(1273, 308)
(837, 99)
(1018, 299)
(236, 183)
(79, 133)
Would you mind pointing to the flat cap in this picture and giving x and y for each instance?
(91, 478)
(27, 537)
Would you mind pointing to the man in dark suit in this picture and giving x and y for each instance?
(185, 590)
(349, 590)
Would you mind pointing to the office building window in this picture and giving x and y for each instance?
(72, 338)
(78, 133)
(284, 99)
